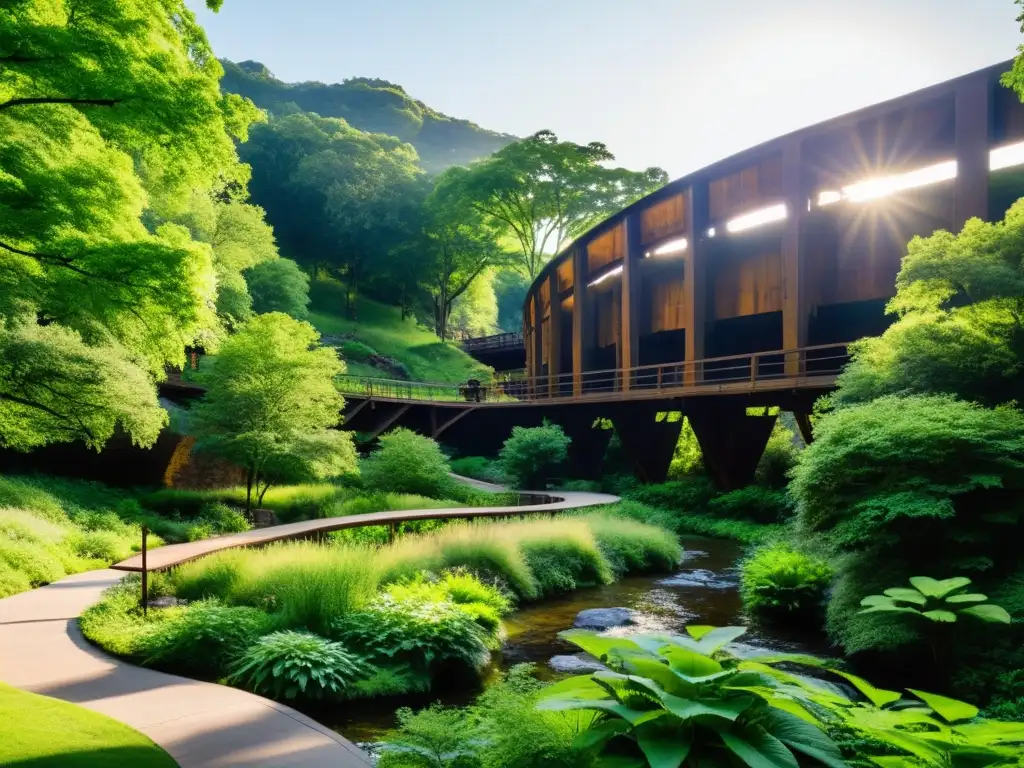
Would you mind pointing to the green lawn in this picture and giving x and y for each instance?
(46, 733)
(381, 327)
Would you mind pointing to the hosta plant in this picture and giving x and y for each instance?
(673, 701)
(292, 665)
(938, 601)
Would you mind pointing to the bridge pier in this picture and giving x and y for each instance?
(649, 443)
(589, 443)
(731, 441)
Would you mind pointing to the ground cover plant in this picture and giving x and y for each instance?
(356, 622)
(47, 733)
(52, 527)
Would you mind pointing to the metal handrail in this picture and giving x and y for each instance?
(754, 367)
(498, 341)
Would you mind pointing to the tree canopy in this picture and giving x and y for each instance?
(270, 405)
(542, 192)
(106, 109)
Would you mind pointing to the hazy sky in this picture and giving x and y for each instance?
(675, 83)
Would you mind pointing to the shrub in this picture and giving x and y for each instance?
(761, 505)
(434, 737)
(777, 579)
(424, 634)
(385, 682)
(12, 581)
(298, 665)
(103, 545)
(279, 285)
(407, 463)
(480, 468)
(39, 563)
(116, 623)
(485, 604)
(690, 495)
(694, 523)
(224, 519)
(532, 454)
(202, 639)
(357, 351)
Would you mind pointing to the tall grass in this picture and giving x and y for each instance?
(304, 584)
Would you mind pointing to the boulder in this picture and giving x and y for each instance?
(603, 618)
(577, 664)
(167, 601)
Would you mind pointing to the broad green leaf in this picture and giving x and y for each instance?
(698, 631)
(663, 747)
(652, 642)
(659, 673)
(934, 588)
(596, 645)
(596, 736)
(970, 597)
(906, 595)
(948, 709)
(580, 685)
(893, 608)
(630, 715)
(993, 613)
(685, 709)
(872, 600)
(910, 743)
(711, 641)
(877, 696)
(758, 748)
(617, 761)
(794, 708)
(945, 617)
(806, 737)
(990, 732)
(690, 662)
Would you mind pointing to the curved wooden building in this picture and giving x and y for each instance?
(788, 245)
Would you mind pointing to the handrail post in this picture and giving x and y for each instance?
(754, 360)
(145, 573)
(660, 372)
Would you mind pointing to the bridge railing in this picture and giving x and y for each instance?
(749, 371)
(492, 343)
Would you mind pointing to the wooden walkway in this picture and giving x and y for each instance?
(176, 554)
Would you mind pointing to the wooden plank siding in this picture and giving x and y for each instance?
(747, 285)
(749, 188)
(666, 310)
(565, 276)
(606, 249)
(662, 219)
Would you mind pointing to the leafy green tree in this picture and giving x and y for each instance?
(532, 454)
(543, 192)
(475, 312)
(102, 107)
(270, 403)
(407, 463)
(279, 286)
(510, 287)
(460, 245)
(960, 302)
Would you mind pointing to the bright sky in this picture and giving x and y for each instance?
(675, 83)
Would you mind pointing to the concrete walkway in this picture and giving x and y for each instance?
(201, 725)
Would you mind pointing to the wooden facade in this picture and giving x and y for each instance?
(818, 273)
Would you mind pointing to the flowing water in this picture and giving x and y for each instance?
(703, 591)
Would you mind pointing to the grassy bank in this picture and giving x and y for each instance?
(52, 527)
(363, 622)
(380, 329)
(46, 733)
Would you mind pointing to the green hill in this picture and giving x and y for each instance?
(371, 105)
(379, 343)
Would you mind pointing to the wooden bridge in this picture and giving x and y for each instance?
(724, 398)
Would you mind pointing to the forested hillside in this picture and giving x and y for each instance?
(371, 105)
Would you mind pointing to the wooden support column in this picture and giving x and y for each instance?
(629, 329)
(795, 312)
(554, 340)
(695, 278)
(538, 344)
(973, 123)
(581, 336)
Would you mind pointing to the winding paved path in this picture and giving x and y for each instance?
(201, 725)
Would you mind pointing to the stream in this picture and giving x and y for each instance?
(703, 591)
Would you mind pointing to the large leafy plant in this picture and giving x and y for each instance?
(675, 701)
(938, 601)
(668, 703)
(292, 665)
